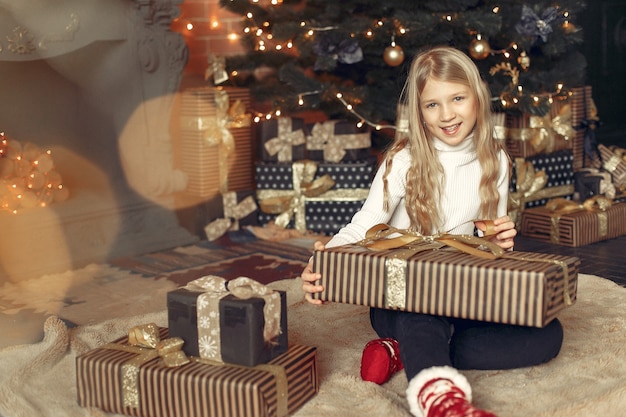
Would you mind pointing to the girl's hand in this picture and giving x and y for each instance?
(309, 277)
(503, 232)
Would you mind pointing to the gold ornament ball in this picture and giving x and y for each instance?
(479, 49)
(393, 55)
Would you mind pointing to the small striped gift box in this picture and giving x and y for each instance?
(524, 288)
(615, 163)
(196, 389)
(574, 229)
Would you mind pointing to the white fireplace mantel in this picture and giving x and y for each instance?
(94, 81)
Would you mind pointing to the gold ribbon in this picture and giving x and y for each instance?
(291, 203)
(215, 288)
(217, 69)
(233, 212)
(560, 206)
(216, 129)
(542, 130)
(407, 243)
(334, 146)
(282, 145)
(145, 342)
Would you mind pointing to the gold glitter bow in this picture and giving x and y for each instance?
(282, 145)
(213, 289)
(333, 145)
(144, 340)
(233, 212)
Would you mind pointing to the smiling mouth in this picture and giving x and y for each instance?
(451, 128)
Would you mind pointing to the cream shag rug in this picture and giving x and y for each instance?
(587, 379)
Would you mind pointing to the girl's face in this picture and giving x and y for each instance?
(449, 110)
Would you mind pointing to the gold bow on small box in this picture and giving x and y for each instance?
(144, 340)
(290, 203)
(233, 212)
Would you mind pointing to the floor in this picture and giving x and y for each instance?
(604, 259)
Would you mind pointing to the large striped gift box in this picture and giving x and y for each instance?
(522, 288)
(574, 228)
(196, 389)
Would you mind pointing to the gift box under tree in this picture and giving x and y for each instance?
(567, 223)
(228, 212)
(239, 321)
(448, 276)
(309, 195)
(538, 178)
(614, 162)
(126, 378)
(338, 141)
(590, 182)
(281, 139)
(217, 145)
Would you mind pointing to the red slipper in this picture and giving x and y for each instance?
(380, 360)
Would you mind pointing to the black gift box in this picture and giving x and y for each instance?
(241, 327)
(270, 130)
(343, 131)
(559, 169)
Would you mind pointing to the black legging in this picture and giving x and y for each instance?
(427, 341)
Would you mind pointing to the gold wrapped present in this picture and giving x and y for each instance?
(448, 275)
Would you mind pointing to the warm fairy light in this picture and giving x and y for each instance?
(189, 26)
(369, 33)
(214, 24)
(496, 10)
(233, 37)
(278, 47)
(259, 32)
(506, 54)
(310, 32)
(448, 18)
(536, 99)
(289, 44)
(519, 88)
(559, 87)
(380, 23)
(249, 15)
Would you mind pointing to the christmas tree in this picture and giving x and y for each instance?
(349, 58)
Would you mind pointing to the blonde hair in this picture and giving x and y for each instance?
(425, 177)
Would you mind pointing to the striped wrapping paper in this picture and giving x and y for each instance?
(197, 389)
(201, 161)
(615, 164)
(574, 229)
(528, 291)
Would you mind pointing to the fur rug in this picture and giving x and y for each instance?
(586, 379)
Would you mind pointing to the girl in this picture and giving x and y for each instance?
(444, 174)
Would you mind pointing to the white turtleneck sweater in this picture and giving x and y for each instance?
(460, 204)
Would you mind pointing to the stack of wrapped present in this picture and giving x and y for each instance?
(225, 354)
(312, 177)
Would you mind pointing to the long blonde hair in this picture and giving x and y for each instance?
(425, 177)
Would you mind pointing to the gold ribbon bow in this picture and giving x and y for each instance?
(282, 145)
(144, 340)
(334, 146)
(559, 206)
(292, 202)
(216, 131)
(213, 289)
(216, 68)
(406, 244)
(233, 212)
(542, 130)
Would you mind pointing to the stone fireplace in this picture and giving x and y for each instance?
(93, 81)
